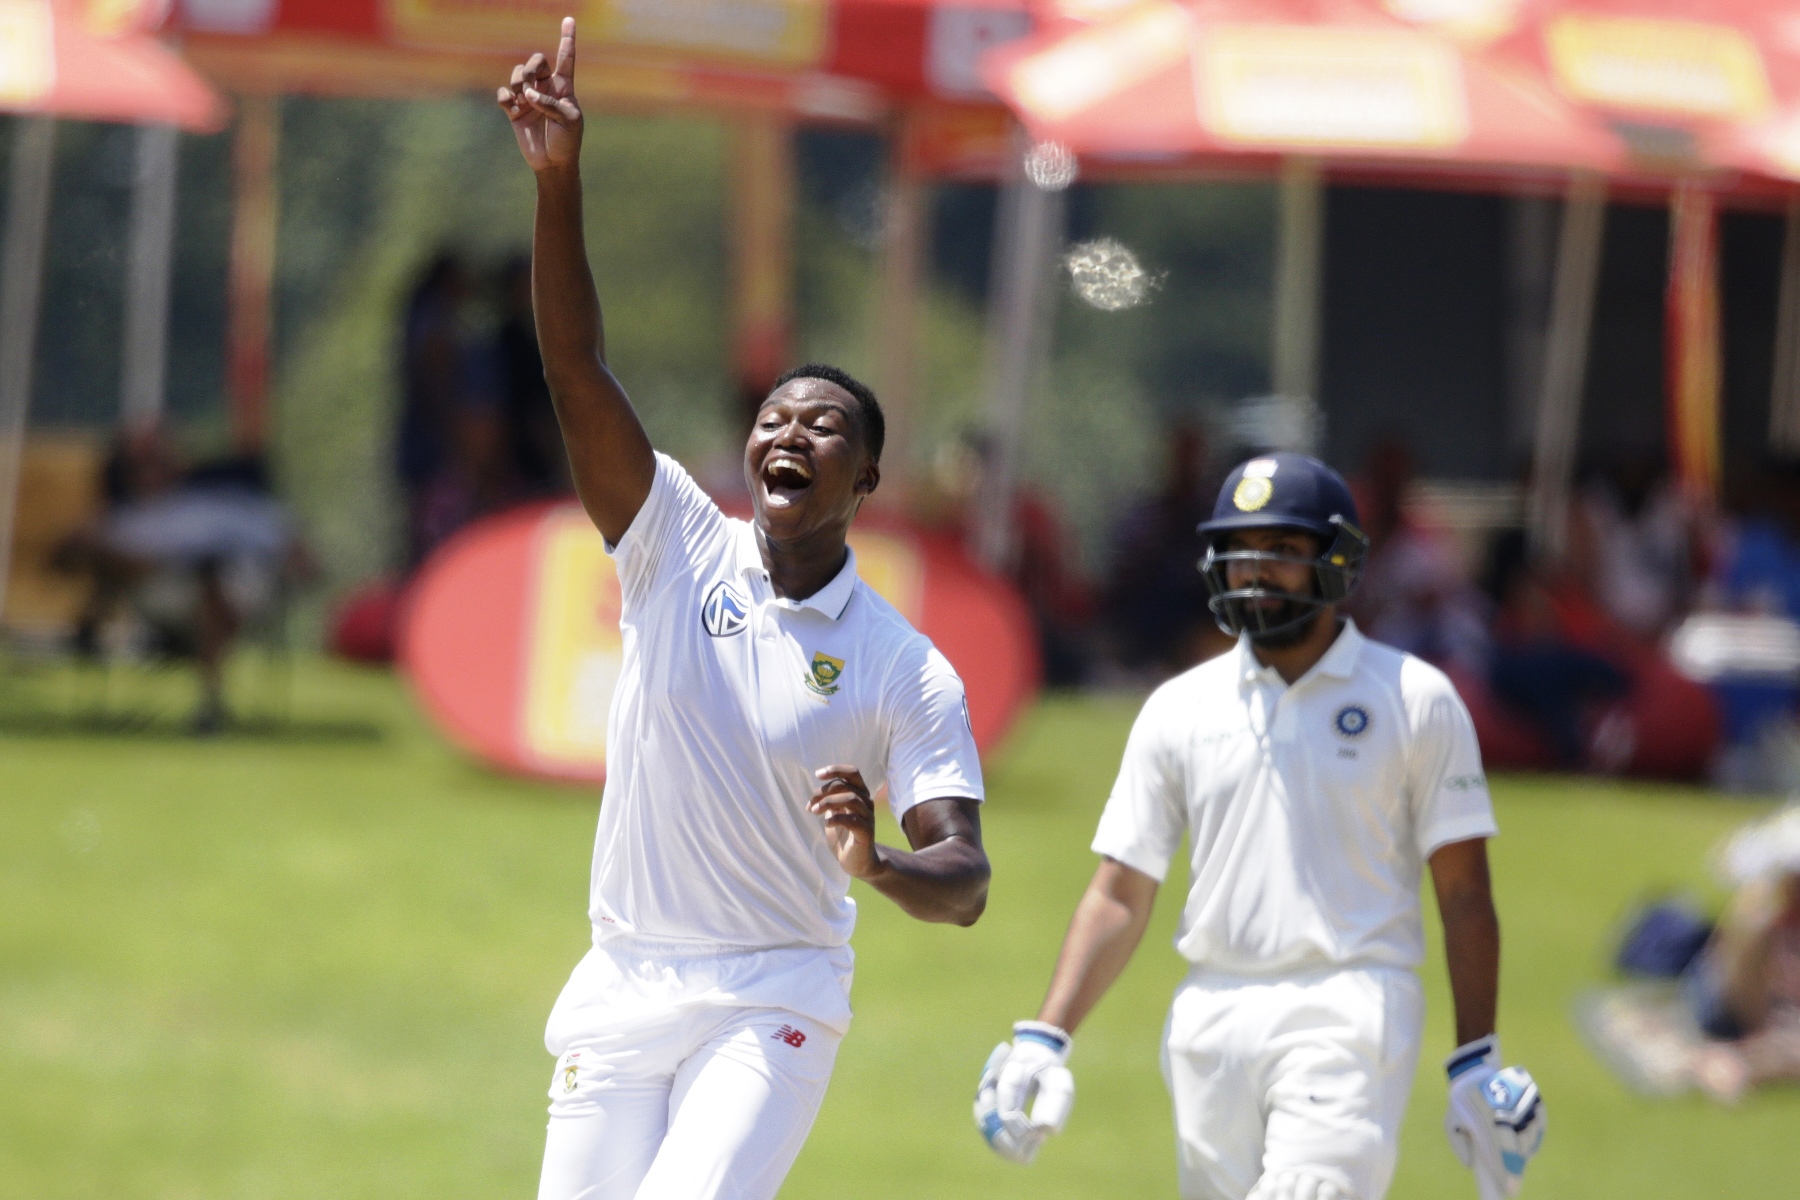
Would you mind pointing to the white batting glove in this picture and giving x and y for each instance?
(1495, 1122)
(1028, 1073)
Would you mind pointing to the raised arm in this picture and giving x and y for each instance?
(609, 455)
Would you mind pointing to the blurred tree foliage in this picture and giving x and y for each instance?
(76, 380)
(371, 190)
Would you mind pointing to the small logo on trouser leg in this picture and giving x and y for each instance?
(790, 1035)
(570, 1066)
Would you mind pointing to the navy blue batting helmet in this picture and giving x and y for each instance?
(1282, 491)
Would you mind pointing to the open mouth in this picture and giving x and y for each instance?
(786, 480)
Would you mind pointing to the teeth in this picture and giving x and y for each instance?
(789, 466)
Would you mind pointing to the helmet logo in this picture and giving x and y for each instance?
(1253, 491)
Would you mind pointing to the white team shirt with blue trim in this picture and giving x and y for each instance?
(1310, 809)
(728, 699)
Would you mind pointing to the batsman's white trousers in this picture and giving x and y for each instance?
(695, 1102)
(1291, 1086)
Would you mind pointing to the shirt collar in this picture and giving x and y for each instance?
(1339, 661)
(830, 600)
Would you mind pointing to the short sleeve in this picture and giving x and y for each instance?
(1447, 788)
(931, 747)
(1146, 814)
(677, 524)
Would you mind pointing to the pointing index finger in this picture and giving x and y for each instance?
(565, 51)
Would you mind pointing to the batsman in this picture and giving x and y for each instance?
(1315, 774)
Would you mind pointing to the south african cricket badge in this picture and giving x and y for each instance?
(823, 679)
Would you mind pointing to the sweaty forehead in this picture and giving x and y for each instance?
(809, 392)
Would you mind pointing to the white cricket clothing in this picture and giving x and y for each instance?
(689, 1103)
(1281, 1082)
(728, 699)
(1310, 809)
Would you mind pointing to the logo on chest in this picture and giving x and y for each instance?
(725, 611)
(823, 678)
(1351, 721)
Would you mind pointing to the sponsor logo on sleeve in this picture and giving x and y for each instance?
(790, 1035)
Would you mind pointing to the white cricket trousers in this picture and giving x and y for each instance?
(1292, 1087)
(694, 1102)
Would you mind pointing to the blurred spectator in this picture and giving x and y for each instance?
(436, 369)
(1759, 573)
(1569, 686)
(475, 479)
(534, 440)
(1634, 539)
(1744, 990)
(1412, 595)
(1058, 599)
(1539, 668)
(1762, 572)
(194, 555)
(1155, 603)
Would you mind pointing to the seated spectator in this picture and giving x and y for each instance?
(1762, 572)
(1567, 686)
(194, 556)
(1636, 542)
(1412, 594)
(1757, 572)
(1538, 670)
(1744, 990)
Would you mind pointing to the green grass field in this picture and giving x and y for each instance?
(291, 968)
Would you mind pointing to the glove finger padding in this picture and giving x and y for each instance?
(1015, 1140)
(1025, 1093)
(1495, 1121)
(1055, 1100)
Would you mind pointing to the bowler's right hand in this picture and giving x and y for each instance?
(540, 102)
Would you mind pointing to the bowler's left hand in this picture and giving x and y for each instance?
(843, 800)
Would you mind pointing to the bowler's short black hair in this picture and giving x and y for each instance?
(874, 425)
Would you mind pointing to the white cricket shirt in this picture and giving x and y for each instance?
(1310, 809)
(728, 699)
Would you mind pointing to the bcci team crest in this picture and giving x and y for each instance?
(826, 670)
(725, 611)
(1351, 721)
(1253, 491)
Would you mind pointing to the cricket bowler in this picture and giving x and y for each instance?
(1315, 774)
(766, 694)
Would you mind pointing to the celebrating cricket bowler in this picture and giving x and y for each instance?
(1315, 773)
(766, 695)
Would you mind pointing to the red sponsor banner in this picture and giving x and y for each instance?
(511, 636)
